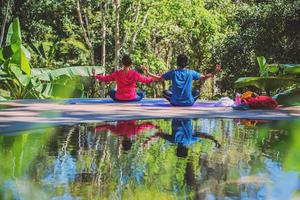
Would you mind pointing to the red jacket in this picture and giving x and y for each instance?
(126, 128)
(126, 82)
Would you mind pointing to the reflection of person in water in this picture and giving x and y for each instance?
(126, 130)
(184, 136)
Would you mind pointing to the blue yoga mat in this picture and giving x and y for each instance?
(144, 102)
(99, 101)
(88, 101)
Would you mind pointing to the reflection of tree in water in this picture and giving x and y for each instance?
(242, 156)
(104, 169)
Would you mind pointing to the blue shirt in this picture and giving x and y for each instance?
(182, 83)
(182, 133)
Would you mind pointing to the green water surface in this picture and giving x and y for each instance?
(153, 159)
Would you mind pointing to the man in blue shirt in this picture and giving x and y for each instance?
(182, 79)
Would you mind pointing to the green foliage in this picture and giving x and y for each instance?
(23, 82)
(51, 75)
(232, 33)
(290, 97)
(266, 83)
(259, 28)
(77, 161)
(287, 77)
(262, 66)
(18, 161)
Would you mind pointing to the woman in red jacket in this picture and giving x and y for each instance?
(126, 80)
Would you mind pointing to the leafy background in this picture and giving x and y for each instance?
(229, 32)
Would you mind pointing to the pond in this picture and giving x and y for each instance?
(153, 159)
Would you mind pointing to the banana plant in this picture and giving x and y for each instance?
(45, 52)
(275, 77)
(14, 62)
(21, 81)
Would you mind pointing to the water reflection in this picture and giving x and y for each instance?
(126, 129)
(185, 136)
(153, 159)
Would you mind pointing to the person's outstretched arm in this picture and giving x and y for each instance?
(103, 78)
(210, 75)
(165, 136)
(156, 77)
(104, 127)
(143, 79)
(206, 136)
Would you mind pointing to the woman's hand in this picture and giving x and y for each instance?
(94, 72)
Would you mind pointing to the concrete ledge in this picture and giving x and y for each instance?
(20, 114)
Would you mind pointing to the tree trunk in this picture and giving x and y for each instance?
(103, 52)
(138, 31)
(117, 32)
(85, 33)
(128, 31)
(4, 23)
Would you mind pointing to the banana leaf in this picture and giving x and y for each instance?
(6, 52)
(56, 90)
(1, 56)
(4, 75)
(43, 49)
(51, 75)
(262, 65)
(289, 98)
(2, 98)
(4, 94)
(266, 83)
(273, 68)
(21, 58)
(14, 33)
(291, 68)
(19, 76)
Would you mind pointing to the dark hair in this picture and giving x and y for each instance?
(181, 151)
(182, 60)
(126, 144)
(126, 60)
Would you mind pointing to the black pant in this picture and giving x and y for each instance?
(168, 94)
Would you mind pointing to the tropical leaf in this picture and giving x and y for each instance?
(51, 75)
(4, 75)
(273, 68)
(14, 33)
(42, 49)
(19, 76)
(21, 58)
(64, 44)
(291, 68)
(55, 90)
(1, 56)
(2, 98)
(266, 83)
(4, 94)
(289, 98)
(24, 60)
(262, 65)
(6, 52)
